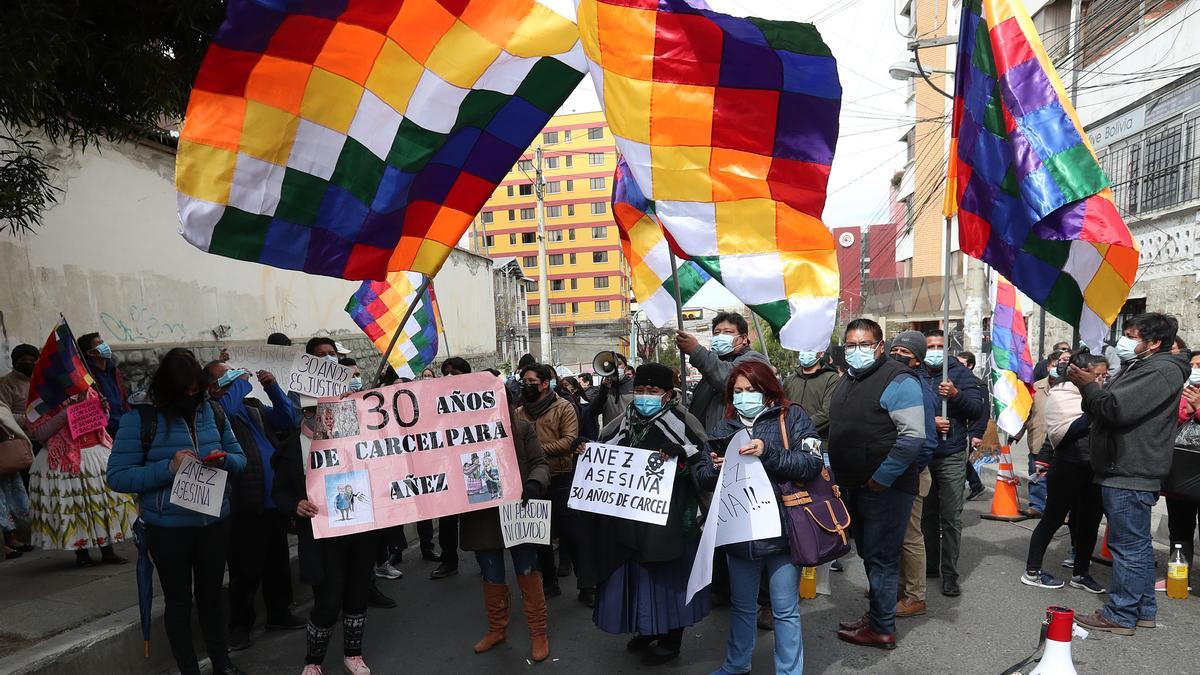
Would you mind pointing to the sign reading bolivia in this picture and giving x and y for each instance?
(410, 452)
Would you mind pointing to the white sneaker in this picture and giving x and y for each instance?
(387, 571)
(312, 669)
(355, 666)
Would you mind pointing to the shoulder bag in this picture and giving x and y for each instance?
(1183, 482)
(817, 522)
(16, 453)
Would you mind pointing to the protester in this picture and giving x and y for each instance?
(481, 534)
(613, 396)
(257, 529)
(941, 519)
(448, 525)
(427, 374)
(279, 339)
(908, 349)
(570, 389)
(977, 432)
(1183, 510)
(553, 418)
(14, 386)
(356, 381)
(755, 401)
(14, 500)
(1134, 422)
(1041, 370)
(811, 387)
(1070, 486)
(730, 346)
(588, 392)
(1035, 434)
(874, 440)
(109, 380)
(188, 548)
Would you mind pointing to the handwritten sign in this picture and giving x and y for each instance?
(628, 483)
(527, 523)
(743, 509)
(318, 377)
(275, 359)
(85, 417)
(409, 452)
(199, 488)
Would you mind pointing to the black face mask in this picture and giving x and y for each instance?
(25, 369)
(530, 392)
(901, 359)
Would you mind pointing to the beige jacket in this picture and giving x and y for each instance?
(14, 393)
(1035, 427)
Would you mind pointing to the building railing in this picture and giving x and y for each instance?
(1157, 169)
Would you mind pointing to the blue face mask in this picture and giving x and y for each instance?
(1127, 348)
(104, 350)
(647, 405)
(860, 358)
(722, 344)
(230, 376)
(934, 358)
(748, 403)
(806, 359)
(356, 384)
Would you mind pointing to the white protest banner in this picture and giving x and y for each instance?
(409, 452)
(275, 359)
(318, 377)
(199, 488)
(628, 483)
(527, 523)
(743, 508)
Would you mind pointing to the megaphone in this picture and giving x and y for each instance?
(605, 364)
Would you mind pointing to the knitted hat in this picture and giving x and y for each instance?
(654, 375)
(21, 351)
(913, 341)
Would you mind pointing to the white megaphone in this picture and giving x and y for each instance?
(1056, 659)
(605, 364)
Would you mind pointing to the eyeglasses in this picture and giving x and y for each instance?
(869, 345)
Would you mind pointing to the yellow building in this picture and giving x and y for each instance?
(588, 276)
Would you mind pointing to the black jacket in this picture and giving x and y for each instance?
(248, 493)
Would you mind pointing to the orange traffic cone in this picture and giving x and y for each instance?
(1104, 557)
(1004, 500)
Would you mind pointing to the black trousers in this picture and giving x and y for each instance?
(1181, 525)
(559, 493)
(390, 543)
(191, 561)
(260, 546)
(447, 537)
(349, 569)
(1069, 489)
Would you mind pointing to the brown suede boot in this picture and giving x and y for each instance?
(534, 599)
(495, 601)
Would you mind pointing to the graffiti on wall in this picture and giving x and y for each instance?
(141, 324)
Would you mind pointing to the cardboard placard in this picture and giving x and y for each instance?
(85, 417)
(275, 359)
(318, 377)
(628, 483)
(527, 523)
(199, 488)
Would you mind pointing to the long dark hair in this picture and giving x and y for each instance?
(178, 372)
(762, 379)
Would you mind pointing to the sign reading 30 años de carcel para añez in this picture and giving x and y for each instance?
(409, 452)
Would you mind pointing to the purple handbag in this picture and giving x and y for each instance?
(817, 522)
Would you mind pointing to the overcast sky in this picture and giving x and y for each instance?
(863, 37)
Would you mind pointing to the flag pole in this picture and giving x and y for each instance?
(82, 356)
(762, 339)
(400, 327)
(679, 318)
(946, 321)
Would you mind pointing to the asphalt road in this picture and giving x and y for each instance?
(993, 625)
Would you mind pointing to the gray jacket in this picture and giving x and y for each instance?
(707, 402)
(1134, 422)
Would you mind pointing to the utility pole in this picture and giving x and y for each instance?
(539, 189)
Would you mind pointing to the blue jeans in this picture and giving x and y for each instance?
(1037, 487)
(491, 562)
(744, 575)
(879, 521)
(1131, 589)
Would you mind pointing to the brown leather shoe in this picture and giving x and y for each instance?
(910, 607)
(866, 637)
(495, 601)
(1097, 621)
(534, 600)
(861, 622)
(1146, 623)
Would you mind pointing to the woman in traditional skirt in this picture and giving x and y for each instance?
(641, 570)
(14, 501)
(73, 508)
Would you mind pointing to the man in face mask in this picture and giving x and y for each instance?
(1132, 440)
(109, 379)
(356, 381)
(14, 386)
(876, 434)
(557, 427)
(258, 531)
(730, 346)
(811, 386)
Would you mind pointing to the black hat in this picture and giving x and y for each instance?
(526, 360)
(654, 375)
(21, 351)
(913, 341)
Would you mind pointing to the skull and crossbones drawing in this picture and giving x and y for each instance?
(654, 466)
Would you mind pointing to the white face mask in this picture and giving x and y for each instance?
(1127, 348)
(1194, 380)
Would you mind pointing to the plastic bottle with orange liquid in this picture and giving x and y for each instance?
(808, 582)
(1177, 574)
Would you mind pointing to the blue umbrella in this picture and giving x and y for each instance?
(145, 581)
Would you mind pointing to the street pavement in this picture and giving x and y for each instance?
(993, 625)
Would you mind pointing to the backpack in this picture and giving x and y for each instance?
(149, 416)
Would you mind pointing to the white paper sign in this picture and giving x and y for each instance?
(318, 377)
(628, 483)
(743, 509)
(275, 359)
(525, 524)
(199, 488)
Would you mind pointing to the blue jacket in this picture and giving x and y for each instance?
(148, 474)
(793, 464)
(967, 406)
(933, 408)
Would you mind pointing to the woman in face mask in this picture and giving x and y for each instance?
(641, 570)
(1183, 510)
(757, 403)
(188, 548)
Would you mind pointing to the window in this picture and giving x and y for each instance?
(568, 161)
(595, 158)
(600, 282)
(599, 208)
(574, 284)
(572, 258)
(552, 162)
(599, 256)
(489, 241)
(597, 183)
(558, 331)
(571, 233)
(487, 217)
(556, 259)
(512, 215)
(558, 308)
(574, 307)
(602, 305)
(527, 214)
(554, 187)
(567, 135)
(535, 309)
(525, 190)
(529, 261)
(596, 133)
(553, 211)
(556, 284)
(570, 209)
(570, 186)
(510, 191)
(554, 235)
(531, 286)
(525, 164)
(599, 233)
(512, 240)
(528, 238)
(550, 137)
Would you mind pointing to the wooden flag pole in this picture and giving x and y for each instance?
(400, 328)
(946, 322)
(762, 338)
(679, 318)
